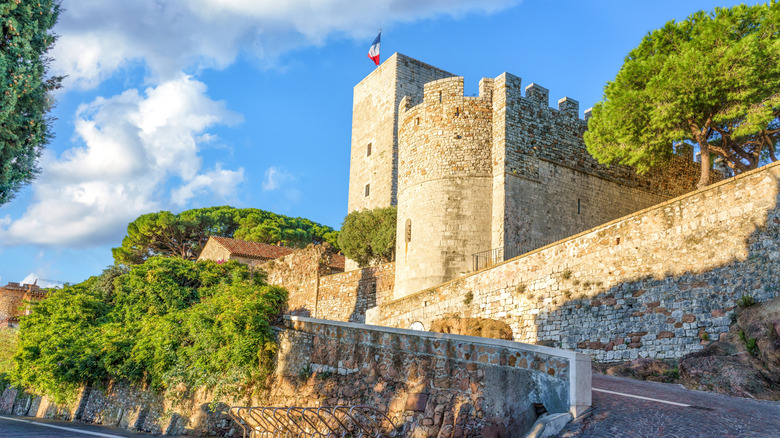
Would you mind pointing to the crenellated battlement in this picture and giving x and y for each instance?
(475, 173)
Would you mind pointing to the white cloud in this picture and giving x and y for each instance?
(98, 37)
(219, 181)
(133, 146)
(275, 177)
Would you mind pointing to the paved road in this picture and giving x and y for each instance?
(23, 427)
(684, 413)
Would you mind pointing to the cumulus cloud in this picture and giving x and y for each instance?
(98, 37)
(132, 146)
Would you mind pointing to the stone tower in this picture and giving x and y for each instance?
(373, 169)
(445, 178)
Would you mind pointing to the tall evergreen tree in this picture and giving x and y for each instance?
(24, 89)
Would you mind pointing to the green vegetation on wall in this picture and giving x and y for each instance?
(710, 80)
(368, 236)
(164, 323)
(185, 234)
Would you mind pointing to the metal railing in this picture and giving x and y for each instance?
(485, 259)
(320, 422)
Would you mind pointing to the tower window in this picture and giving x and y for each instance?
(408, 230)
(457, 111)
(368, 150)
(578, 206)
(368, 189)
(417, 121)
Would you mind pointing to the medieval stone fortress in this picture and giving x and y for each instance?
(503, 216)
(499, 171)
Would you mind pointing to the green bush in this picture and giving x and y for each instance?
(368, 236)
(165, 322)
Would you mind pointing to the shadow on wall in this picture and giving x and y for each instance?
(671, 314)
(430, 384)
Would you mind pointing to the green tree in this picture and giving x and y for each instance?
(369, 236)
(24, 89)
(166, 322)
(184, 234)
(712, 80)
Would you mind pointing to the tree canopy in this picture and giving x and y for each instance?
(185, 234)
(164, 323)
(24, 89)
(368, 236)
(712, 80)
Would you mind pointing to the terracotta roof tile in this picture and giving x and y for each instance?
(243, 248)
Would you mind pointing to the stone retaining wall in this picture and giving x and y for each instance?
(433, 384)
(659, 283)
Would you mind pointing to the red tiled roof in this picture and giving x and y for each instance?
(243, 248)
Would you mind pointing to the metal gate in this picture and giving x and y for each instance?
(320, 422)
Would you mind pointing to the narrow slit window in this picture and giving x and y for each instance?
(368, 150)
(439, 96)
(457, 111)
(368, 189)
(579, 206)
(417, 121)
(409, 230)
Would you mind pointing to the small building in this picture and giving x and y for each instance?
(222, 249)
(13, 296)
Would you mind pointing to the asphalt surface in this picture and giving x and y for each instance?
(669, 410)
(23, 427)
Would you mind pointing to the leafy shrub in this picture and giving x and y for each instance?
(164, 323)
(751, 344)
(468, 298)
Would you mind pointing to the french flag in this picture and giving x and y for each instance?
(373, 52)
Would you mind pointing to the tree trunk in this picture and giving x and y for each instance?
(704, 151)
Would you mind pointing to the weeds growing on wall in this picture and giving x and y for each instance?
(167, 322)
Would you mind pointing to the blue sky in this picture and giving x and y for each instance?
(171, 105)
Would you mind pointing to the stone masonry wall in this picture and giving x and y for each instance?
(346, 296)
(431, 384)
(375, 122)
(659, 283)
(315, 291)
(542, 171)
(445, 174)
(13, 298)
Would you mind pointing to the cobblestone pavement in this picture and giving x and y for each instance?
(709, 414)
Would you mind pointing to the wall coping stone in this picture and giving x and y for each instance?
(579, 363)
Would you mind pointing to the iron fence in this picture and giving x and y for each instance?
(485, 259)
(319, 422)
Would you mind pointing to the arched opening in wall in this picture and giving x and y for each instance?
(417, 325)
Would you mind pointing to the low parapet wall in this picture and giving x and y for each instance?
(659, 283)
(434, 382)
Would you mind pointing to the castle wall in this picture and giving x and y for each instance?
(314, 290)
(659, 283)
(546, 185)
(374, 121)
(444, 181)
